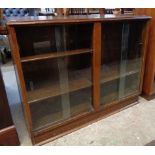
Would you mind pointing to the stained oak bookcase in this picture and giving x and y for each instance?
(149, 76)
(74, 70)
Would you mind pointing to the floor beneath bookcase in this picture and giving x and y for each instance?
(133, 126)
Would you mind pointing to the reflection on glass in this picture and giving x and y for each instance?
(120, 61)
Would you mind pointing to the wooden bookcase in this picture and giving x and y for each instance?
(149, 76)
(75, 70)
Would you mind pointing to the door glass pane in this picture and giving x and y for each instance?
(59, 85)
(120, 60)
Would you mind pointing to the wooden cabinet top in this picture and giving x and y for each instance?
(32, 20)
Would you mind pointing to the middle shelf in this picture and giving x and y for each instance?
(55, 90)
(55, 55)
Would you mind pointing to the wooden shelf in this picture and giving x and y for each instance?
(80, 80)
(116, 76)
(55, 55)
(111, 72)
(52, 90)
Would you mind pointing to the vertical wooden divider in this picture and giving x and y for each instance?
(96, 64)
(16, 60)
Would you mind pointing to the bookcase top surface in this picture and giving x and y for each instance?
(37, 20)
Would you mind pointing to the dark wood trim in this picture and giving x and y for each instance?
(71, 19)
(96, 64)
(16, 58)
(9, 137)
(44, 137)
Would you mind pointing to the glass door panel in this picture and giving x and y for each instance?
(120, 60)
(58, 77)
(63, 94)
(79, 71)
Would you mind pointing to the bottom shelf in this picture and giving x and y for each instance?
(44, 136)
(56, 109)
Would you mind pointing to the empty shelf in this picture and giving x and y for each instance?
(55, 55)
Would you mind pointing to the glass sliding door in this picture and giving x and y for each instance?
(120, 60)
(56, 63)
